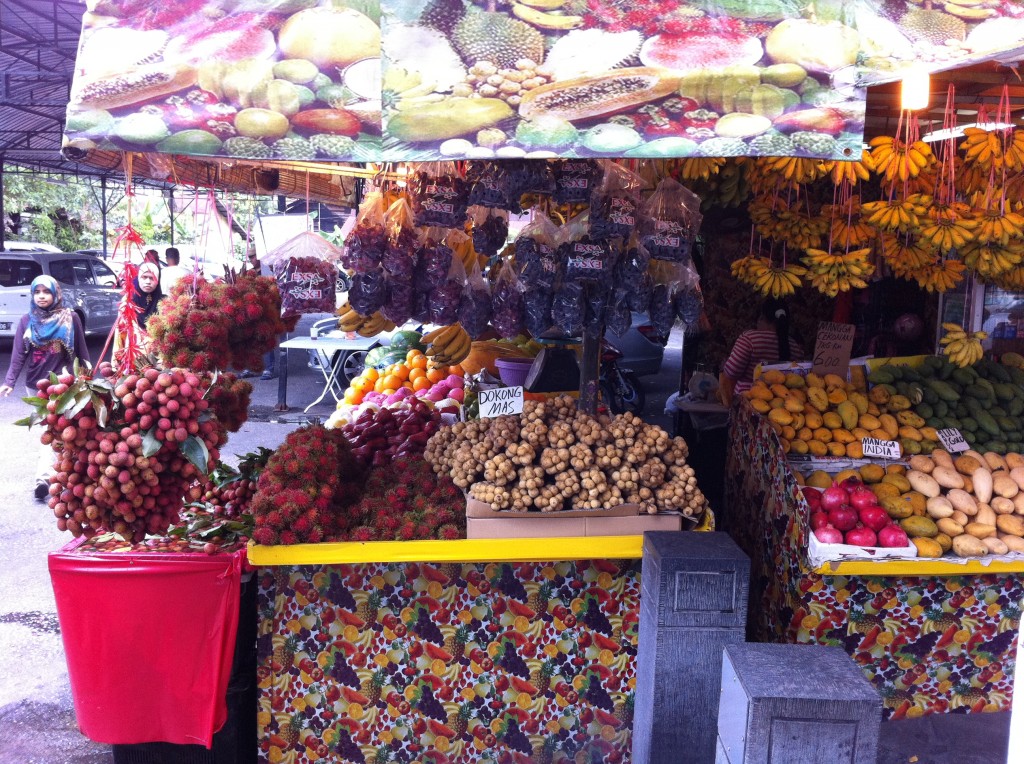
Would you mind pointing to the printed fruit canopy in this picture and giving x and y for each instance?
(409, 80)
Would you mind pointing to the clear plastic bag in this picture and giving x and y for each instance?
(490, 186)
(568, 308)
(307, 285)
(507, 303)
(661, 310)
(440, 195)
(575, 180)
(617, 315)
(596, 302)
(365, 244)
(539, 265)
(490, 232)
(433, 259)
(368, 292)
(640, 298)
(475, 304)
(537, 304)
(615, 204)
(402, 240)
(398, 302)
(529, 176)
(688, 301)
(446, 296)
(669, 221)
(585, 258)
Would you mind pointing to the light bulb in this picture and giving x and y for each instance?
(915, 90)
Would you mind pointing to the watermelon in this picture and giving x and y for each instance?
(406, 340)
(700, 51)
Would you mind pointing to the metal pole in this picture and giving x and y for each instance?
(590, 369)
(103, 211)
(3, 213)
(170, 208)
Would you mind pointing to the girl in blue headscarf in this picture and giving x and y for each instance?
(48, 339)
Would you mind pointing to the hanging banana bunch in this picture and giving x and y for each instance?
(748, 269)
(940, 277)
(895, 214)
(997, 225)
(763, 214)
(983, 148)
(790, 170)
(700, 168)
(948, 226)
(847, 228)
(992, 262)
(799, 230)
(905, 254)
(961, 348)
(831, 274)
(448, 345)
(852, 172)
(780, 281)
(898, 160)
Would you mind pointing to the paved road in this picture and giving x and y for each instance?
(36, 711)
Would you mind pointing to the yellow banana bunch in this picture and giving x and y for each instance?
(897, 160)
(348, 319)
(1012, 281)
(961, 348)
(997, 225)
(780, 282)
(894, 214)
(991, 262)
(800, 230)
(904, 253)
(732, 189)
(700, 168)
(940, 277)
(763, 214)
(834, 273)
(948, 227)
(853, 172)
(797, 170)
(749, 268)
(374, 325)
(1014, 157)
(982, 148)
(970, 178)
(545, 20)
(448, 345)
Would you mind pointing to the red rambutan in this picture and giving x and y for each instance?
(288, 537)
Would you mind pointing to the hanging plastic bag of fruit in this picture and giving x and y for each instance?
(490, 185)
(440, 195)
(662, 308)
(365, 245)
(615, 203)
(669, 221)
(688, 302)
(306, 273)
(586, 258)
(475, 303)
(433, 259)
(529, 176)
(617, 315)
(368, 292)
(446, 296)
(537, 306)
(596, 301)
(539, 266)
(399, 300)
(490, 230)
(568, 308)
(507, 303)
(575, 180)
(402, 240)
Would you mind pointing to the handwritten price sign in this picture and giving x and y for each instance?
(953, 440)
(832, 348)
(880, 449)
(501, 401)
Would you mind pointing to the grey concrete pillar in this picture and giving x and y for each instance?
(693, 603)
(799, 704)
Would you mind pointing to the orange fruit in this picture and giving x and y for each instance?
(388, 390)
(401, 371)
(370, 374)
(421, 383)
(416, 373)
(457, 370)
(413, 352)
(418, 361)
(407, 385)
(436, 375)
(392, 381)
(378, 386)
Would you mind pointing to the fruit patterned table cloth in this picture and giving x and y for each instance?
(930, 644)
(475, 662)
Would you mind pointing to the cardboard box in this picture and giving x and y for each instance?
(484, 523)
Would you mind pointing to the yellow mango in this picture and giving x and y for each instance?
(849, 413)
(824, 434)
(871, 473)
(780, 416)
(760, 406)
(831, 420)
(868, 422)
(760, 391)
(910, 433)
(836, 449)
(798, 447)
(840, 435)
(812, 419)
(773, 377)
(815, 380)
(794, 380)
(837, 395)
(834, 380)
(817, 448)
(890, 425)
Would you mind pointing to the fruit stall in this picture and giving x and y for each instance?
(912, 564)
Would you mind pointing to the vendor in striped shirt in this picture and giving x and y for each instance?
(769, 342)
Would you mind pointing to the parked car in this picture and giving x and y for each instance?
(89, 286)
(28, 246)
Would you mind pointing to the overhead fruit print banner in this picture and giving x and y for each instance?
(401, 80)
(253, 79)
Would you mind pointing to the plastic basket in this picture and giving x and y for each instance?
(513, 371)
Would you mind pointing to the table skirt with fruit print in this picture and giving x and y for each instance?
(930, 644)
(473, 662)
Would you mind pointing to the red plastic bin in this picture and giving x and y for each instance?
(149, 639)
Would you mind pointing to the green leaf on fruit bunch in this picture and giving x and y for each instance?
(35, 401)
(150, 445)
(213, 381)
(83, 399)
(54, 379)
(30, 420)
(100, 407)
(66, 399)
(196, 452)
(101, 385)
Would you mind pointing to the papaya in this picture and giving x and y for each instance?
(599, 94)
(450, 118)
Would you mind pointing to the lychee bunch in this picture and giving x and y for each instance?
(205, 326)
(307, 488)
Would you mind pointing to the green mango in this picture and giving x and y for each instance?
(968, 424)
(964, 376)
(987, 423)
(879, 377)
(1005, 391)
(924, 411)
(940, 406)
(944, 390)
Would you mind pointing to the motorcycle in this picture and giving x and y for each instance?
(620, 387)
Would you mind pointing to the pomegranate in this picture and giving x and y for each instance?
(843, 517)
(828, 535)
(834, 496)
(863, 497)
(861, 537)
(893, 537)
(818, 520)
(874, 517)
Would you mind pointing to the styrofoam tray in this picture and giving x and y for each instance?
(819, 553)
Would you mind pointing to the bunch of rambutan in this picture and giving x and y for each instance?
(205, 325)
(404, 501)
(229, 398)
(306, 491)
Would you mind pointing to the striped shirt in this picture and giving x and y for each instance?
(753, 347)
